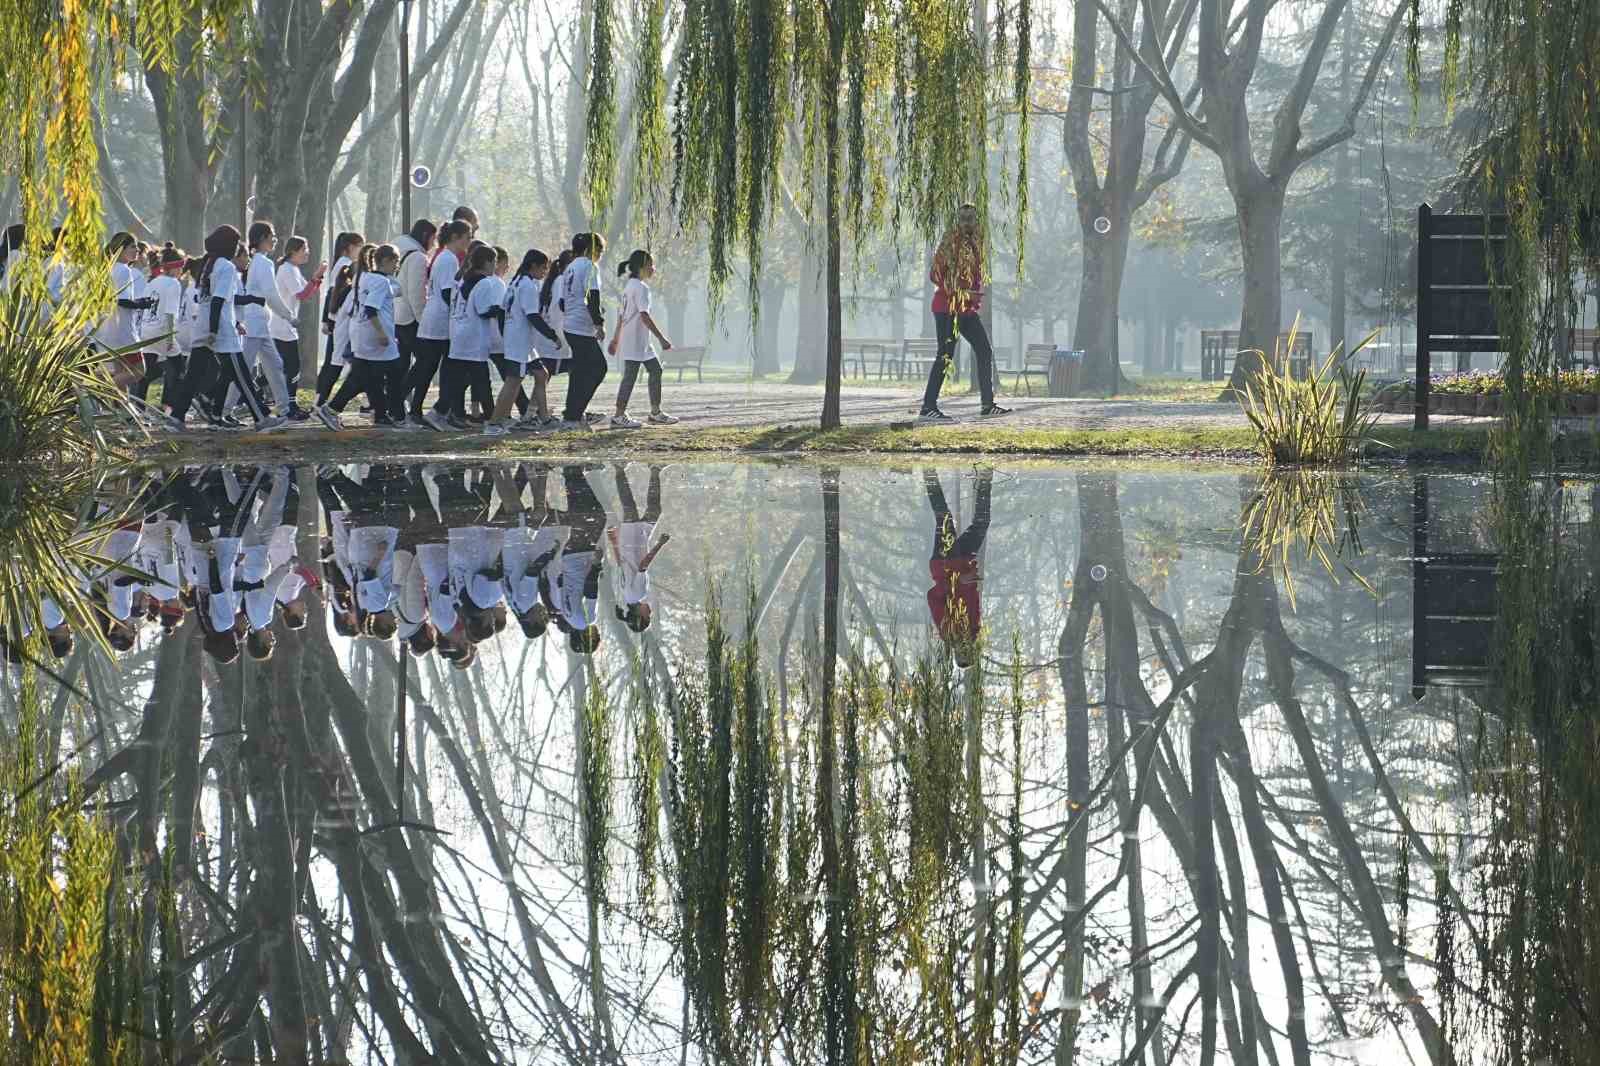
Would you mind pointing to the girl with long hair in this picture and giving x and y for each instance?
(433, 328)
(631, 342)
(293, 290)
(524, 323)
(957, 275)
(374, 343)
(475, 306)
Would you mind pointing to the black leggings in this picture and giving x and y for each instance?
(371, 377)
(630, 372)
(232, 371)
(585, 371)
(977, 338)
(946, 544)
(455, 376)
(199, 378)
(406, 336)
(152, 371)
(172, 370)
(289, 352)
(429, 354)
(652, 500)
(509, 370)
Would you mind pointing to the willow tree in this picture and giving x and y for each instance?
(893, 103)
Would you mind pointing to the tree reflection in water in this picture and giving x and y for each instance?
(1159, 815)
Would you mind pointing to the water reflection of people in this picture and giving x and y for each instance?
(530, 548)
(954, 599)
(575, 583)
(632, 551)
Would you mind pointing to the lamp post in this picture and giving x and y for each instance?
(405, 115)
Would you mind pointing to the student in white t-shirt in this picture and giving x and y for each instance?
(161, 321)
(632, 551)
(527, 339)
(584, 324)
(478, 304)
(293, 290)
(259, 303)
(575, 578)
(631, 341)
(214, 354)
(433, 327)
(119, 330)
(374, 342)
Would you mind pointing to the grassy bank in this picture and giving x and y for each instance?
(1230, 444)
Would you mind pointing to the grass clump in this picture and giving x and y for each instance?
(1320, 419)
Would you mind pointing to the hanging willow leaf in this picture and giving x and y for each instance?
(600, 146)
(650, 135)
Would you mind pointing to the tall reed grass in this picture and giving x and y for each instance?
(1319, 419)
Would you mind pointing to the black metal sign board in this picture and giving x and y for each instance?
(1455, 293)
(1454, 600)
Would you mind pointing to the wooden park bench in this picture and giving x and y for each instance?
(1219, 348)
(917, 356)
(686, 357)
(856, 351)
(1035, 360)
(1583, 347)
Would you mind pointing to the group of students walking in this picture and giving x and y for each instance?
(438, 306)
(441, 560)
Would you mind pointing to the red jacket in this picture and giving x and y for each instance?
(957, 276)
(953, 600)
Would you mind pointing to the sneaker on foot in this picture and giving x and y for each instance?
(436, 421)
(994, 410)
(296, 413)
(328, 417)
(934, 415)
(495, 429)
(457, 423)
(624, 422)
(592, 417)
(271, 425)
(661, 418)
(579, 426)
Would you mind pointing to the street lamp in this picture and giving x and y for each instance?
(405, 115)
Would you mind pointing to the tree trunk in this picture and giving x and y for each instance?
(383, 167)
(1095, 330)
(1260, 228)
(773, 294)
(1338, 314)
(811, 337)
(835, 363)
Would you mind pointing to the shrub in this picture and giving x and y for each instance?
(1319, 419)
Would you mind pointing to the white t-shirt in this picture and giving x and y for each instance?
(291, 283)
(580, 279)
(633, 343)
(372, 561)
(158, 557)
(474, 550)
(168, 292)
(435, 562)
(224, 286)
(120, 328)
(434, 325)
(377, 294)
(470, 327)
(262, 281)
(188, 317)
(341, 328)
(524, 546)
(497, 334)
(630, 543)
(522, 300)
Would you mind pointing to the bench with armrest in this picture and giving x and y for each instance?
(685, 357)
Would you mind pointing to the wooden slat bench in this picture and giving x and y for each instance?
(857, 349)
(1035, 360)
(685, 357)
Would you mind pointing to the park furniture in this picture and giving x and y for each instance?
(856, 351)
(1454, 602)
(917, 356)
(1583, 348)
(687, 357)
(1219, 347)
(1035, 361)
(1455, 296)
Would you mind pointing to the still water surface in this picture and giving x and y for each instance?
(702, 763)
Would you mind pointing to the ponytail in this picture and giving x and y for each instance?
(479, 265)
(260, 230)
(362, 261)
(293, 247)
(531, 261)
(634, 265)
(563, 261)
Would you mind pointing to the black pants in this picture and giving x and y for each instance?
(509, 370)
(289, 352)
(585, 371)
(429, 354)
(152, 371)
(946, 543)
(172, 370)
(199, 379)
(233, 372)
(371, 377)
(406, 335)
(630, 373)
(456, 376)
(972, 331)
(585, 514)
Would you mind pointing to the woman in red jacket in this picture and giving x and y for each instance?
(954, 602)
(957, 276)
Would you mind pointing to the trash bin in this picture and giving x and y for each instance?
(1066, 366)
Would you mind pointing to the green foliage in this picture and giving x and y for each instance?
(650, 136)
(1318, 419)
(63, 990)
(649, 758)
(597, 780)
(600, 147)
(1303, 514)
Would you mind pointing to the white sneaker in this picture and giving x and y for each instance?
(494, 429)
(328, 417)
(624, 422)
(437, 421)
(573, 427)
(272, 425)
(661, 418)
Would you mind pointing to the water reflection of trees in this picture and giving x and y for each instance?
(793, 831)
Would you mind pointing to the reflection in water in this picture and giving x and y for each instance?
(491, 764)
